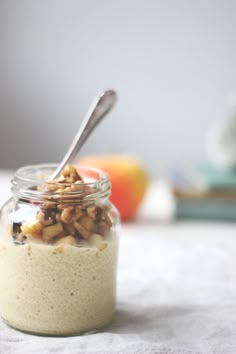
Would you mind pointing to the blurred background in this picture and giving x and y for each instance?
(172, 63)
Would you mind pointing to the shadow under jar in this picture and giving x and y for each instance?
(58, 252)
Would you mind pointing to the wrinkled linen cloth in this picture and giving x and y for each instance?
(176, 294)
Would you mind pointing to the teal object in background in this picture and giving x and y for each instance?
(208, 177)
(205, 192)
(206, 210)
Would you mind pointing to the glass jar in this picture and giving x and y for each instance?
(58, 253)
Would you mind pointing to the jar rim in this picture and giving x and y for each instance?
(30, 176)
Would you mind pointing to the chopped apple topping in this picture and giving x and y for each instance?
(61, 219)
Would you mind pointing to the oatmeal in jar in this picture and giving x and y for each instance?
(58, 252)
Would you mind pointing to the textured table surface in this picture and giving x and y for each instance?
(176, 294)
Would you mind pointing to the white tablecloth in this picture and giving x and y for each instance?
(176, 294)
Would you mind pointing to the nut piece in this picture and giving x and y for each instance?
(49, 187)
(94, 212)
(69, 240)
(60, 221)
(82, 231)
(32, 230)
(61, 235)
(70, 214)
(52, 231)
(98, 241)
(86, 222)
(103, 228)
(105, 217)
(49, 205)
(70, 173)
(70, 230)
(61, 184)
(77, 186)
(45, 218)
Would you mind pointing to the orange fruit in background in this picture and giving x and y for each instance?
(128, 181)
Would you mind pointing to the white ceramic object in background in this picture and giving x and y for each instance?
(221, 139)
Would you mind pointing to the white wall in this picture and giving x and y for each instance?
(172, 62)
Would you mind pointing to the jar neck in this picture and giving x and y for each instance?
(95, 185)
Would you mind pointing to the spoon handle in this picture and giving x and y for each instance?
(99, 108)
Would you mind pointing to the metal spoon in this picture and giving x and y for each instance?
(99, 108)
